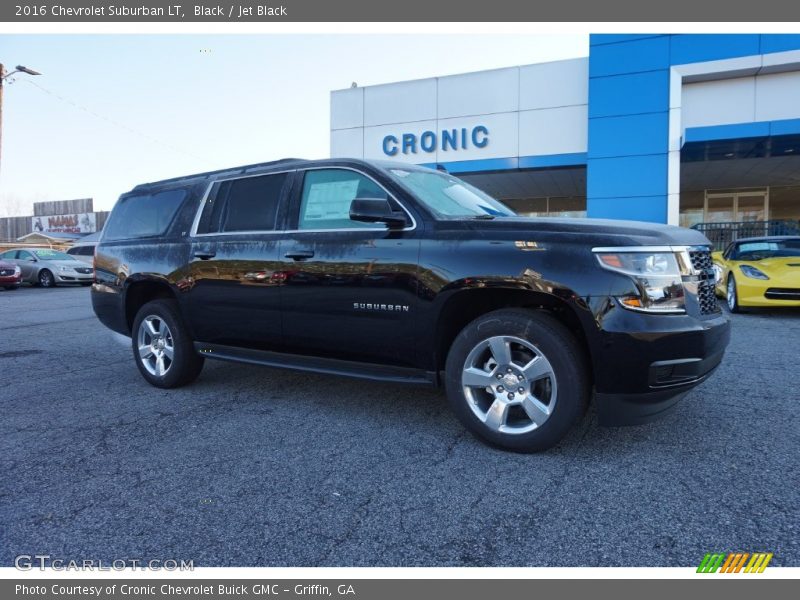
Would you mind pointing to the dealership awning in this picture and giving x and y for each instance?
(530, 183)
(39, 237)
(741, 155)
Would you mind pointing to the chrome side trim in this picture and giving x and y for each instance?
(648, 248)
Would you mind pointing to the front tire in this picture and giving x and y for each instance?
(732, 296)
(518, 379)
(162, 348)
(46, 279)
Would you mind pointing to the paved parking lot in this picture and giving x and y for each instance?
(258, 467)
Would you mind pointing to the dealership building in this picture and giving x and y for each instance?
(681, 129)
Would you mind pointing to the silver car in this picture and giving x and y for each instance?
(47, 268)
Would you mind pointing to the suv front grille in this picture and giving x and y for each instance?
(706, 297)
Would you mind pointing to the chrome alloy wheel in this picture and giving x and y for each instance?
(156, 346)
(731, 296)
(509, 384)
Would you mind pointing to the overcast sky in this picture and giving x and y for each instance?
(114, 111)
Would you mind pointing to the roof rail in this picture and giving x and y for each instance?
(230, 170)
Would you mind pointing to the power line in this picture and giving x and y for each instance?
(114, 122)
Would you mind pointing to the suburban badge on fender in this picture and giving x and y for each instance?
(381, 307)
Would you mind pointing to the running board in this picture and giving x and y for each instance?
(315, 364)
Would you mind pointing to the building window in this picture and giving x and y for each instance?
(551, 206)
(784, 203)
(746, 205)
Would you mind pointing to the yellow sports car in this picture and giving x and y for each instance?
(763, 271)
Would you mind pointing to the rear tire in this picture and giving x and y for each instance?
(46, 279)
(162, 348)
(518, 379)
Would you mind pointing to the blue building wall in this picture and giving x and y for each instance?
(629, 113)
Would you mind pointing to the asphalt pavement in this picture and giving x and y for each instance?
(251, 466)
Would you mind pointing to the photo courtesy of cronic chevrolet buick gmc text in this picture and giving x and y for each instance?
(399, 273)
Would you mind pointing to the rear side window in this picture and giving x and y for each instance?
(145, 215)
(246, 204)
(81, 250)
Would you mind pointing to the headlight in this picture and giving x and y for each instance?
(657, 276)
(717, 273)
(752, 272)
(17, 270)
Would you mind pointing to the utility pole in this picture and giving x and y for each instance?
(3, 77)
(2, 81)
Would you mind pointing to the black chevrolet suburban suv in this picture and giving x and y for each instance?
(393, 272)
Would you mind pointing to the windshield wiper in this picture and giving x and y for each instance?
(484, 217)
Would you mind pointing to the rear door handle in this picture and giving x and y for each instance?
(299, 254)
(205, 254)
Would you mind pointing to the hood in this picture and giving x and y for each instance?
(605, 232)
(782, 263)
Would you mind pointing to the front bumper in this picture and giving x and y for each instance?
(73, 277)
(645, 364)
(12, 280)
(755, 292)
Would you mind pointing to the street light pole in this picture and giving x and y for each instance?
(3, 77)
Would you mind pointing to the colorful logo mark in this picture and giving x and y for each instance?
(735, 562)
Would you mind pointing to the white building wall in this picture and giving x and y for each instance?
(533, 110)
(770, 97)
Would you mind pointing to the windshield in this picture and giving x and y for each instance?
(52, 255)
(768, 249)
(447, 196)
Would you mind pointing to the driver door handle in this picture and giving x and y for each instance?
(299, 254)
(204, 254)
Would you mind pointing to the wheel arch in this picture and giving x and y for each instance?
(466, 305)
(141, 291)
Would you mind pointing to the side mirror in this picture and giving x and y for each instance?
(716, 255)
(376, 210)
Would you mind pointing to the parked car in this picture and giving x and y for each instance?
(10, 275)
(83, 249)
(392, 272)
(759, 271)
(47, 267)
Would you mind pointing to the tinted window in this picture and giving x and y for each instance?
(143, 215)
(728, 252)
(9, 254)
(247, 204)
(327, 194)
(24, 255)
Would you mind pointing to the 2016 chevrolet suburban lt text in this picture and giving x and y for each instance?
(400, 273)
